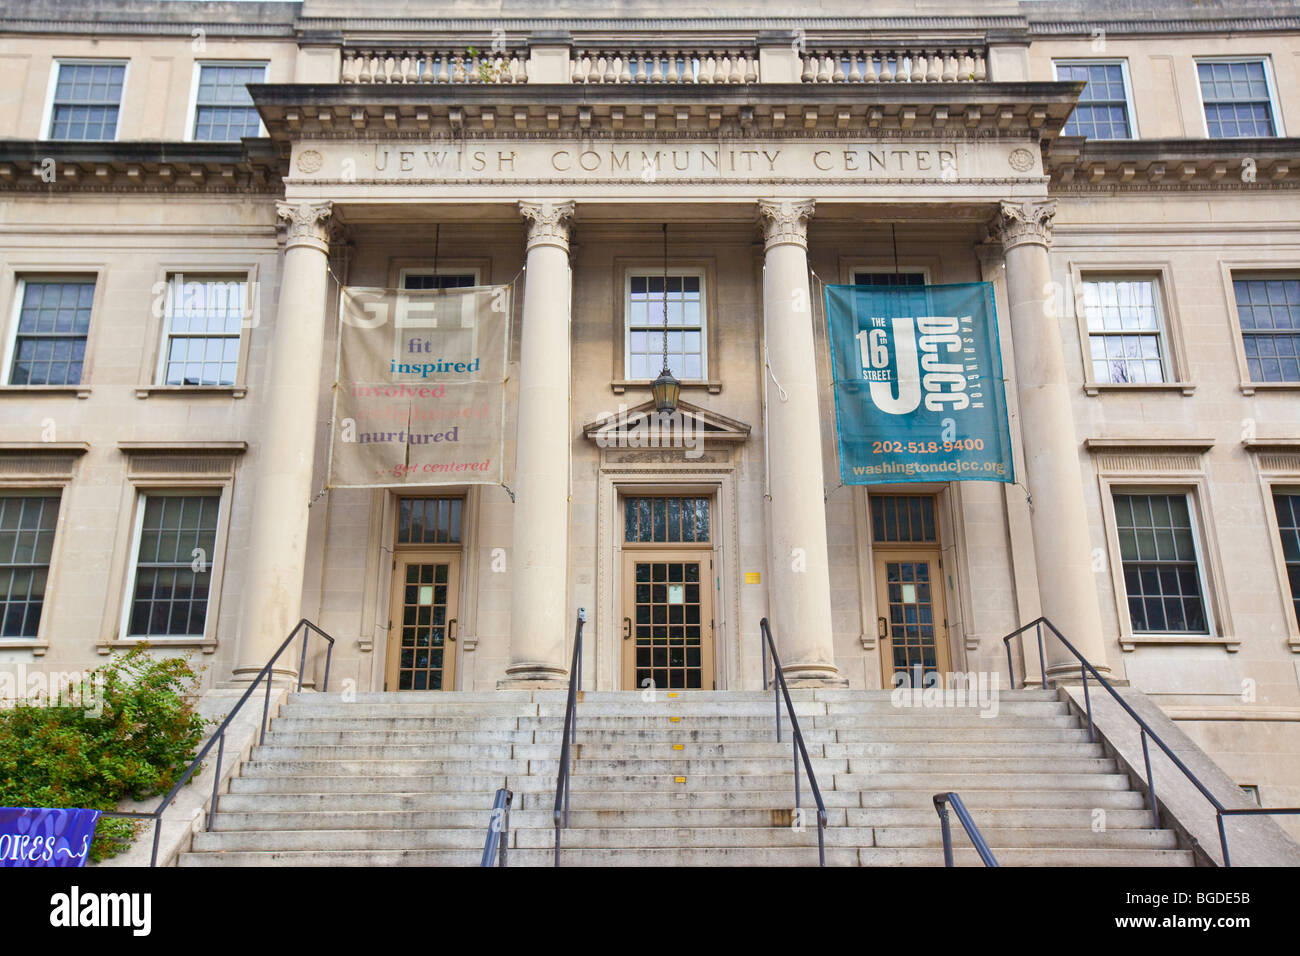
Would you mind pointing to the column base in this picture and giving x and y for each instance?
(532, 675)
(833, 683)
(813, 675)
(245, 675)
(521, 683)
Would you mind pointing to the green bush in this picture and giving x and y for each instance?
(136, 745)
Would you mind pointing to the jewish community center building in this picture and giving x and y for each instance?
(896, 326)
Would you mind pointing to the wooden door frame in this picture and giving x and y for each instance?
(939, 605)
(397, 581)
(669, 554)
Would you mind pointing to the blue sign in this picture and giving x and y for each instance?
(918, 384)
(37, 837)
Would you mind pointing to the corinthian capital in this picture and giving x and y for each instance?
(1018, 223)
(306, 223)
(548, 222)
(785, 221)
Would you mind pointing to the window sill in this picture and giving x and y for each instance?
(37, 647)
(621, 385)
(80, 391)
(1129, 642)
(190, 391)
(207, 645)
(1250, 388)
(1093, 389)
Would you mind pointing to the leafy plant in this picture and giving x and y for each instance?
(135, 744)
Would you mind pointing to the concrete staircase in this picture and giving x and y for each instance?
(694, 778)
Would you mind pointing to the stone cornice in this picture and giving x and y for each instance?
(1037, 109)
(1078, 165)
(253, 166)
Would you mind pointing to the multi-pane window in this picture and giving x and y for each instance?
(1288, 524)
(645, 326)
(889, 278)
(223, 110)
(1102, 111)
(169, 592)
(26, 539)
(429, 520)
(903, 519)
(203, 322)
(87, 100)
(1125, 330)
(446, 280)
(1161, 570)
(1236, 98)
(1268, 309)
(664, 520)
(50, 339)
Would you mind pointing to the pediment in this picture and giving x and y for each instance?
(642, 427)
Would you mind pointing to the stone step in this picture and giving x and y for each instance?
(306, 746)
(928, 722)
(706, 857)
(588, 696)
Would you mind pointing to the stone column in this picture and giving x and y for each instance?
(799, 589)
(272, 598)
(539, 618)
(1067, 584)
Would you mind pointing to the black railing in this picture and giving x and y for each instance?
(498, 831)
(307, 628)
(941, 803)
(560, 815)
(781, 689)
(1086, 668)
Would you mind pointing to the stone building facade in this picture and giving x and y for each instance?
(1123, 177)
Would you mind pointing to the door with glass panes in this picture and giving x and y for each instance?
(668, 593)
(422, 620)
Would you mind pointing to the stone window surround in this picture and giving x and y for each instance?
(1122, 63)
(1274, 106)
(16, 272)
(1171, 333)
(1251, 267)
(51, 468)
(1164, 467)
(1278, 466)
(624, 268)
(47, 116)
(192, 112)
(168, 467)
(153, 364)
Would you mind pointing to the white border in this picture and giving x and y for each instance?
(1279, 130)
(192, 114)
(1122, 63)
(47, 117)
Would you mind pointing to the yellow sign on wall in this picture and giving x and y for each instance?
(753, 577)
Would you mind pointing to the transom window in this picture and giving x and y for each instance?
(427, 280)
(50, 334)
(173, 567)
(1268, 310)
(27, 524)
(87, 100)
(889, 278)
(1103, 108)
(1237, 98)
(223, 108)
(1125, 330)
(1162, 575)
(429, 520)
(1288, 524)
(903, 519)
(666, 520)
(204, 318)
(686, 326)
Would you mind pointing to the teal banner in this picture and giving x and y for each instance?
(918, 384)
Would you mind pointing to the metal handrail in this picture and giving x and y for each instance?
(941, 802)
(560, 814)
(498, 831)
(219, 735)
(780, 688)
(1085, 667)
